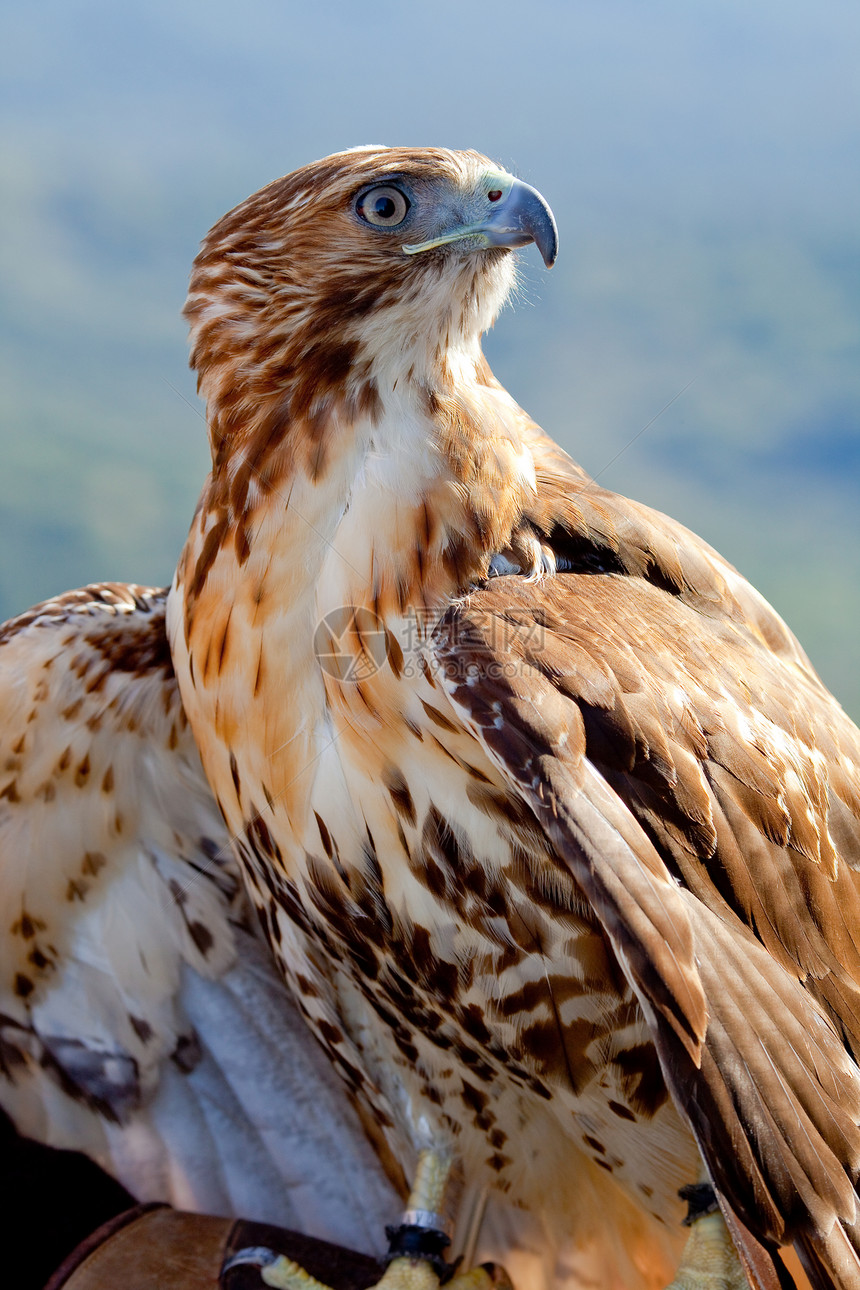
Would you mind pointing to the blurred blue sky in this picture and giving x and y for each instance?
(703, 161)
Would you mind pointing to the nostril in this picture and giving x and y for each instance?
(495, 195)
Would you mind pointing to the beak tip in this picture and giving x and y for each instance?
(550, 255)
(535, 219)
(547, 239)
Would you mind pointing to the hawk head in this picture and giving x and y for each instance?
(352, 273)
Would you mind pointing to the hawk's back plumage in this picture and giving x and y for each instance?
(140, 1020)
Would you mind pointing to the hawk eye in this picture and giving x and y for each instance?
(384, 207)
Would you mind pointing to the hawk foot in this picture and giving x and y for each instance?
(709, 1261)
(287, 1275)
(401, 1274)
(415, 1251)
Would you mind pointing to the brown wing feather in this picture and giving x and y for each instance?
(535, 733)
(711, 755)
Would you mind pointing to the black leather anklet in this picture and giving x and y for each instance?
(701, 1200)
(412, 1241)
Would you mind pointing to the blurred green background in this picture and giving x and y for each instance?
(702, 161)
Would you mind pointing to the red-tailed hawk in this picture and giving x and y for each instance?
(547, 819)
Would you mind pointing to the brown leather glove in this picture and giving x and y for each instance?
(154, 1247)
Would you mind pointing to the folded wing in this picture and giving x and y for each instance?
(141, 1020)
(691, 770)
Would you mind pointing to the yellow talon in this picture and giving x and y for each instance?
(284, 1274)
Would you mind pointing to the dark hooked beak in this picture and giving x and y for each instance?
(516, 214)
(520, 217)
